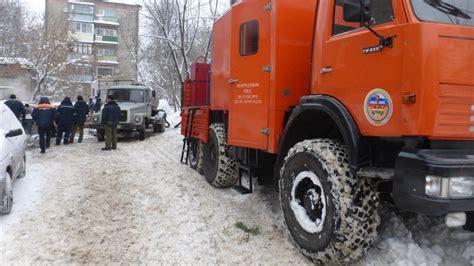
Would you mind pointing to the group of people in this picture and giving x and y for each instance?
(68, 118)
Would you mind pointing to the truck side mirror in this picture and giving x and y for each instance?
(353, 12)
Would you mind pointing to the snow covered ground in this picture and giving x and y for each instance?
(138, 204)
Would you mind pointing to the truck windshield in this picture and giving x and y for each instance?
(127, 95)
(460, 12)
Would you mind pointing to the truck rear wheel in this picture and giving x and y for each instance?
(331, 215)
(196, 161)
(219, 167)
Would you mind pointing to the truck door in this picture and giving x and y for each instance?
(350, 66)
(250, 74)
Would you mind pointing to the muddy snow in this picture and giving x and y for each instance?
(138, 204)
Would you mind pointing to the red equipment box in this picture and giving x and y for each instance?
(196, 93)
(200, 71)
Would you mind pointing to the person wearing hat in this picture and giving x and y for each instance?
(16, 106)
(65, 120)
(110, 120)
(80, 119)
(44, 114)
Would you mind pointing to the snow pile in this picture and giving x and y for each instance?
(23, 62)
(140, 205)
(414, 239)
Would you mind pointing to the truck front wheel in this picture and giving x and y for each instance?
(141, 133)
(219, 167)
(331, 215)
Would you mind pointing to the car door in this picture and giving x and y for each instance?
(249, 75)
(15, 145)
(350, 66)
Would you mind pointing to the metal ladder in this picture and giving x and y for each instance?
(188, 135)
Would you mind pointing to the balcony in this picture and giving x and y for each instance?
(106, 39)
(106, 20)
(107, 59)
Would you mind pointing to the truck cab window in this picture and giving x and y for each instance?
(249, 38)
(381, 12)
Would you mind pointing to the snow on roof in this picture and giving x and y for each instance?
(23, 62)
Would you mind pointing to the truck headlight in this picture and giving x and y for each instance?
(461, 187)
(95, 119)
(449, 187)
(137, 119)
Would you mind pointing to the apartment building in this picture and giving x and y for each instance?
(105, 38)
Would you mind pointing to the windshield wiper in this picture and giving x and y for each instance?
(448, 8)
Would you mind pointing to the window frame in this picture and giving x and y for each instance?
(241, 39)
(355, 29)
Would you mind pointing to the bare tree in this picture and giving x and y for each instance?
(50, 43)
(12, 34)
(179, 32)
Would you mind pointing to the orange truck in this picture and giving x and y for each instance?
(339, 103)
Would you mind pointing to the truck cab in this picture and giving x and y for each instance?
(342, 101)
(136, 111)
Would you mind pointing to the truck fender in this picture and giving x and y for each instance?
(329, 119)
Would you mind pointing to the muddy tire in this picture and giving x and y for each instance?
(220, 168)
(6, 196)
(331, 215)
(141, 133)
(158, 128)
(196, 152)
(100, 135)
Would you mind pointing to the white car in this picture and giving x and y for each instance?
(12, 155)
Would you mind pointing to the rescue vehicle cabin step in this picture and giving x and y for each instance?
(240, 187)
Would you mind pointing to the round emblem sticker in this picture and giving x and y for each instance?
(378, 107)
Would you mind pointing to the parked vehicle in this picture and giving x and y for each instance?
(12, 156)
(338, 106)
(136, 112)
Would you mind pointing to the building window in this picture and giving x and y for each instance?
(82, 48)
(106, 51)
(105, 72)
(249, 38)
(381, 12)
(83, 27)
(105, 13)
(106, 32)
(82, 9)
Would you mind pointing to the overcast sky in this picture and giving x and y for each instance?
(37, 6)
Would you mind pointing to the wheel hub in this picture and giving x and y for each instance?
(308, 202)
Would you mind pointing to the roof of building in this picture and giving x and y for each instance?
(23, 62)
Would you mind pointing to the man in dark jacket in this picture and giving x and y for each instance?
(81, 114)
(16, 106)
(65, 120)
(44, 114)
(97, 104)
(110, 119)
(90, 104)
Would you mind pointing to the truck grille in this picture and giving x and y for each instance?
(123, 116)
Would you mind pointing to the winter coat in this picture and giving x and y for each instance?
(81, 111)
(44, 113)
(17, 107)
(90, 104)
(66, 113)
(97, 105)
(111, 114)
